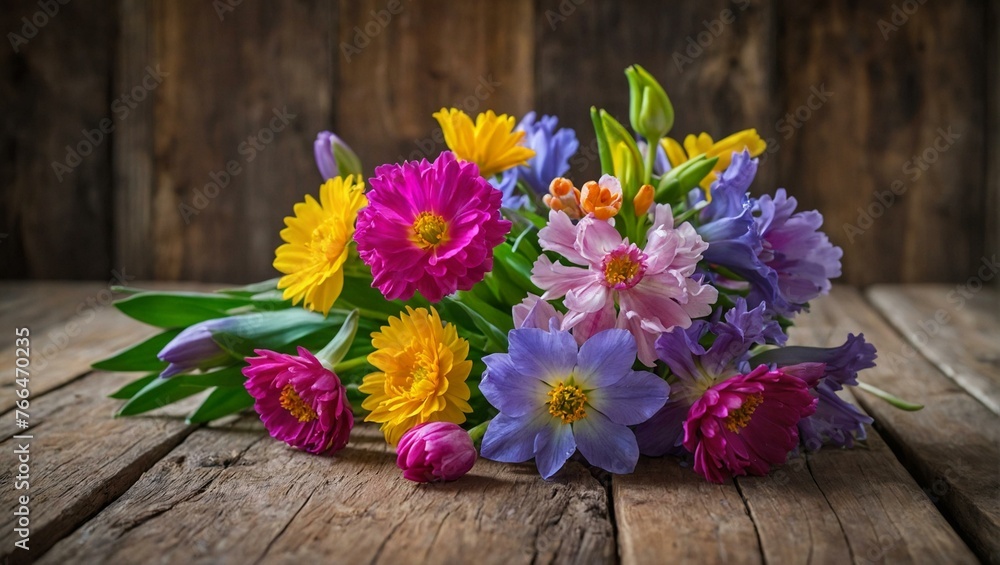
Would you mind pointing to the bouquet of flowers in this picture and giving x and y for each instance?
(642, 312)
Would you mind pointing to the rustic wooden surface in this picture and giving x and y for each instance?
(727, 64)
(923, 488)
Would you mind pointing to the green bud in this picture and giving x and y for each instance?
(650, 110)
(626, 160)
(676, 182)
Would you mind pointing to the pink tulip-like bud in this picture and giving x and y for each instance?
(435, 451)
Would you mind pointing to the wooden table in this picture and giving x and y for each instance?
(925, 488)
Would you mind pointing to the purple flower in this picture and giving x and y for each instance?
(554, 397)
(553, 148)
(434, 452)
(836, 421)
(506, 183)
(194, 348)
(697, 368)
(729, 227)
(334, 158)
(800, 254)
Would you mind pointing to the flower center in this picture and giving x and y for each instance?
(740, 418)
(566, 402)
(291, 401)
(623, 268)
(428, 230)
(329, 238)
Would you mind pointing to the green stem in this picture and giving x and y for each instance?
(349, 364)
(890, 398)
(478, 432)
(651, 148)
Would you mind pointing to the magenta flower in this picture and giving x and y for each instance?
(435, 451)
(746, 424)
(429, 227)
(300, 401)
(653, 287)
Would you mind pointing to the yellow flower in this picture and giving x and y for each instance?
(723, 149)
(422, 368)
(316, 243)
(491, 143)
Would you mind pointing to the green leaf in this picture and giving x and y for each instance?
(225, 377)
(221, 402)
(517, 267)
(141, 357)
(251, 289)
(161, 392)
(128, 391)
(177, 309)
(496, 339)
(274, 330)
(338, 347)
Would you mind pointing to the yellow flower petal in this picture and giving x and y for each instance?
(317, 240)
(421, 377)
(490, 142)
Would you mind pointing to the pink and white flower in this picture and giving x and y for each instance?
(653, 286)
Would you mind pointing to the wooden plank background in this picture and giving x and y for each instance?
(900, 80)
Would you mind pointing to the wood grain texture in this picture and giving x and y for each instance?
(957, 332)
(256, 86)
(81, 458)
(715, 60)
(54, 89)
(665, 511)
(355, 507)
(900, 92)
(428, 55)
(952, 446)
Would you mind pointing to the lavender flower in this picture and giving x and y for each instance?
(553, 148)
(554, 397)
(506, 183)
(194, 348)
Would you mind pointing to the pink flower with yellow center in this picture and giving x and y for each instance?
(430, 227)
(653, 287)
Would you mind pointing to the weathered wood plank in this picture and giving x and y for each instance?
(233, 495)
(235, 120)
(715, 59)
(54, 214)
(81, 458)
(956, 327)
(474, 56)
(667, 512)
(952, 446)
(882, 97)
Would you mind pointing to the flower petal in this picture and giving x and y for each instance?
(605, 444)
(511, 439)
(554, 444)
(606, 358)
(633, 399)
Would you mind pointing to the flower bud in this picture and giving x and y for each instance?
(434, 452)
(194, 348)
(564, 196)
(334, 158)
(603, 199)
(650, 111)
(643, 199)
